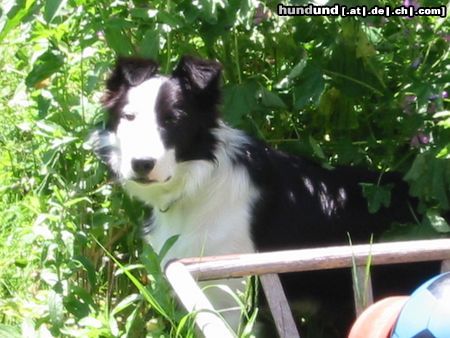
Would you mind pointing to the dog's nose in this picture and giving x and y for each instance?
(142, 166)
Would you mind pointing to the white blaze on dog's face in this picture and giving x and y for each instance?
(155, 122)
(144, 157)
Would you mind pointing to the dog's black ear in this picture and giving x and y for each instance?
(198, 75)
(132, 71)
(129, 71)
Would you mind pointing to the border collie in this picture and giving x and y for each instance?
(221, 190)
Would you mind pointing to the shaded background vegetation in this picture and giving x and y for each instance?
(365, 91)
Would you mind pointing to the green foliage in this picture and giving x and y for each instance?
(363, 91)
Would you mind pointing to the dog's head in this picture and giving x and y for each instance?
(154, 122)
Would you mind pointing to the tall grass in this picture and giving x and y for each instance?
(301, 83)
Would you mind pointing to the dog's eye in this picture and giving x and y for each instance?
(128, 116)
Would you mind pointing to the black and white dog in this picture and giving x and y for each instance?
(222, 191)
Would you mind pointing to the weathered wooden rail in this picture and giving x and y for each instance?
(182, 275)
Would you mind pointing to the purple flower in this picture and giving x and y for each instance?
(419, 139)
(411, 3)
(414, 3)
(435, 97)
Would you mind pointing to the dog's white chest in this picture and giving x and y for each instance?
(218, 232)
(214, 222)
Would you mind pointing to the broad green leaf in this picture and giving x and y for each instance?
(316, 148)
(78, 302)
(149, 45)
(209, 9)
(350, 74)
(437, 221)
(170, 19)
(309, 87)
(271, 99)
(298, 69)
(117, 39)
(90, 322)
(56, 309)
(377, 196)
(52, 8)
(46, 65)
(48, 276)
(239, 100)
(417, 169)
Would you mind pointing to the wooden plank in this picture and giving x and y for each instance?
(445, 265)
(194, 300)
(205, 268)
(362, 292)
(279, 306)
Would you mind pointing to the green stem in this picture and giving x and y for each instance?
(373, 89)
(169, 40)
(236, 57)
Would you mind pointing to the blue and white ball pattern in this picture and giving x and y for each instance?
(427, 313)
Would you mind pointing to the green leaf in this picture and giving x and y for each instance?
(126, 302)
(149, 45)
(48, 276)
(52, 8)
(438, 183)
(297, 70)
(208, 9)
(171, 19)
(377, 196)
(438, 222)
(90, 270)
(239, 100)
(7, 331)
(444, 153)
(309, 87)
(16, 15)
(78, 302)
(316, 148)
(148, 296)
(167, 246)
(270, 99)
(90, 322)
(56, 309)
(129, 267)
(417, 169)
(117, 39)
(46, 65)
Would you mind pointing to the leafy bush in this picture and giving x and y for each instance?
(368, 91)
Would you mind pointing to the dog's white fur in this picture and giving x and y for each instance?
(139, 137)
(220, 192)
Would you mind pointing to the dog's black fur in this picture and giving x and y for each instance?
(293, 203)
